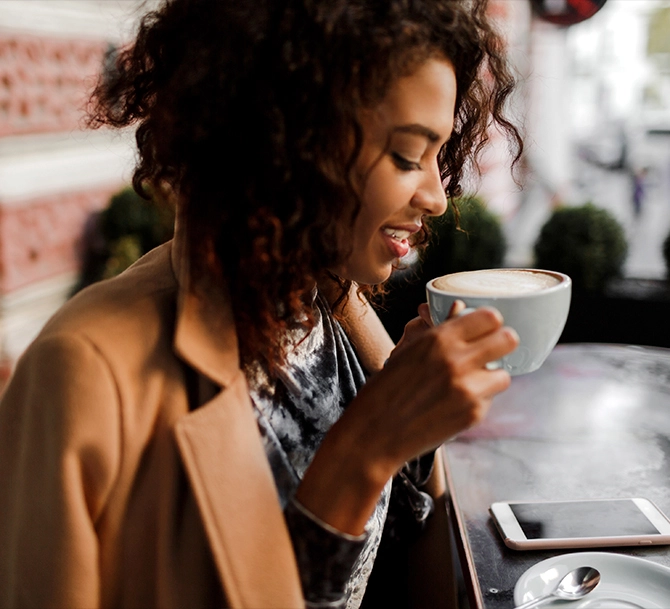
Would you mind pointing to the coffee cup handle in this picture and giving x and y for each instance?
(495, 365)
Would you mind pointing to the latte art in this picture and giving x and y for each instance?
(496, 282)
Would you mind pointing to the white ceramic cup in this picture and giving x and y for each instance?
(534, 302)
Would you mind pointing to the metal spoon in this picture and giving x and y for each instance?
(575, 585)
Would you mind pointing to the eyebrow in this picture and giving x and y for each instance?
(418, 129)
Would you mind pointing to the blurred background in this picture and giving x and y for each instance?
(592, 196)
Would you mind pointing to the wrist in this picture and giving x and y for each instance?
(344, 481)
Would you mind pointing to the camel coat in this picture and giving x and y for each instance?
(132, 472)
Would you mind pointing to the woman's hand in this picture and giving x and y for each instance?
(423, 322)
(434, 385)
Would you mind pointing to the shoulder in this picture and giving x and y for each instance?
(366, 332)
(133, 307)
(107, 350)
(119, 331)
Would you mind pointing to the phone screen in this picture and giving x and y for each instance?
(582, 519)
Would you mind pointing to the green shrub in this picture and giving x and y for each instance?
(128, 214)
(477, 241)
(120, 234)
(122, 253)
(586, 242)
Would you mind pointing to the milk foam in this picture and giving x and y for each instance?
(498, 282)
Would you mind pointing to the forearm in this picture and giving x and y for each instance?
(343, 483)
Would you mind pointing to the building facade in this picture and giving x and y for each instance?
(54, 173)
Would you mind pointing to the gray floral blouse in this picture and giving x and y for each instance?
(321, 376)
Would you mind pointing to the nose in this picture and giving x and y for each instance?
(430, 197)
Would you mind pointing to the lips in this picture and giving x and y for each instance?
(397, 240)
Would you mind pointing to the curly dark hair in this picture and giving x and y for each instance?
(248, 111)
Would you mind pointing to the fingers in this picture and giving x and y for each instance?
(413, 329)
(456, 309)
(483, 330)
(493, 346)
(424, 313)
(480, 322)
(488, 383)
(477, 393)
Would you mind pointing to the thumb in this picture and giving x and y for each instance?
(456, 309)
(424, 314)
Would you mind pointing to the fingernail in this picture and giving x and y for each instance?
(512, 333)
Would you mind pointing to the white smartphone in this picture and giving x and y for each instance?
(580, 524)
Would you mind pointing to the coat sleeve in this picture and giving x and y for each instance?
(59, 454)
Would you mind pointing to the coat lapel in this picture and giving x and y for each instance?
(233, 485)
(225, 461)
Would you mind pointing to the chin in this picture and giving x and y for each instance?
(366, 274)
(374, 277)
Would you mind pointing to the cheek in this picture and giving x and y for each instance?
(384, 195)
(365, 226)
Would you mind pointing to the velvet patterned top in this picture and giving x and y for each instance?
(321, 376)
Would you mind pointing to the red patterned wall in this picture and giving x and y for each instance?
(43, 82)
(42, 239)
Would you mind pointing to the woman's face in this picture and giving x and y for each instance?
(396, 174)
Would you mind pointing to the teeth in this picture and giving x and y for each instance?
(397, 234)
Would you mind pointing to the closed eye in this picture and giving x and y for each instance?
(404, 164)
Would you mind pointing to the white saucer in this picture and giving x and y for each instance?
(625, 581)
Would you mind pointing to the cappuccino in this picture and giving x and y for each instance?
(496, 282)
(532, 301)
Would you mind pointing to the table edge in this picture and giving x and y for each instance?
(461, 538)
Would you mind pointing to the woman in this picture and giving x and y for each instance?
(211, 428)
